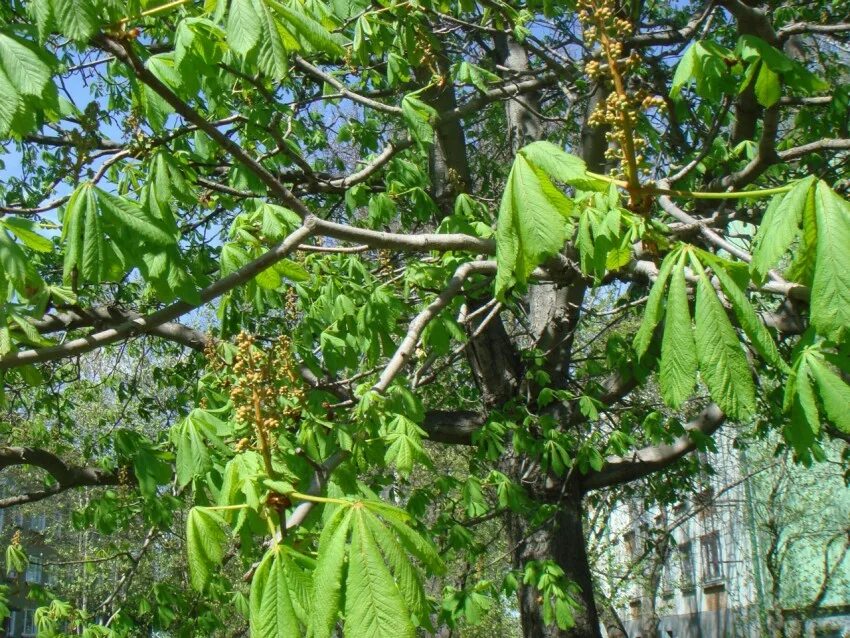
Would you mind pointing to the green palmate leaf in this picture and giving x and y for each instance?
(94, 244)
(9, 103)
(309, 30)
(779, 227)
(76, 19)
(722, 362)
(830, 305)
(132, 219)
(241, 476)
(42, 14)
(301, 593)
(24, 230)
(654, 305)
(17, 268)
(407, 578)
(243, 26)
(373, 604)
(805, 253)
(685, 70)
(16, 558)
(327, 577)
(73, 228)
(707, 64)
(768, 88)
(277, 221)
(412, 541)
(24, 66)
(291, 270)
(531, 225)
(233, 257)
(418, 117)
(205, 541)
(834, 393)
(405, 444)
(193, 437)
(469, 73)
(678, 355)
(275, 43)
(562, 166)
(272, 613)
(747, 318)
(805, 399)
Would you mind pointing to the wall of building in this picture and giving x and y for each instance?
(699, 569)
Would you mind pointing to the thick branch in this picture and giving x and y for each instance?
(814, 147)
(454, 427)
(66, 476)
(618, 470)
(107, 316)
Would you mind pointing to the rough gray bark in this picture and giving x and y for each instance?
(553, 315)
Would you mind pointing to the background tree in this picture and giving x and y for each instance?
(395, 254)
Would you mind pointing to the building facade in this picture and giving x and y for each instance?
(761, 549)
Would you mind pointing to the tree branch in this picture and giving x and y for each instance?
(66, 476)
(650, 459)
(109, 316)
(128, 57)
(147, 323)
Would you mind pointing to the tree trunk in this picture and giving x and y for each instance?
(553, 313)
(561, 540)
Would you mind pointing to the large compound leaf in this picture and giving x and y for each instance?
(751, 323)
(678, 355)
(272, 613)
(205, 541)
(374, 607)
(778, 228)
(132, 219)
(531, 226)
(25, 68)
(722, 362)
(327, 577)
(830, 304)
(311, 32)
(562, 166)
(76, 19)
(243, 26)
(409, 582)
(654, 308)
(834, 393)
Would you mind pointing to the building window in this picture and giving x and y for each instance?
(712, 566)
(667, 580)
(686, 565)
(630, 544)
(38, 522)
(29, 623)
(12, 622)
(34, 570)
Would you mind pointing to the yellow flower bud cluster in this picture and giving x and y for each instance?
(290, 307)
(264, 387)
(604, 26)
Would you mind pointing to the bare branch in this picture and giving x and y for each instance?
(430, 312)
(109, 316)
